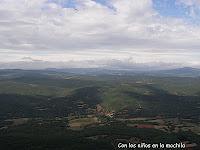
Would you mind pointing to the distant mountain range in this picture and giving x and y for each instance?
(178, 72)
(181, 72)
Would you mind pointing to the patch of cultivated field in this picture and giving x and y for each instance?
(80, 123)
(18, 121)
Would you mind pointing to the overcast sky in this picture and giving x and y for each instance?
(87, 33)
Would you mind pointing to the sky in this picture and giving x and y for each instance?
(99, 33)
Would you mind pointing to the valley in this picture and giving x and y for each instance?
(54, 110)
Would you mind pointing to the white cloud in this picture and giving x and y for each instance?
(190, 2)
(194, 7)
(50, 32)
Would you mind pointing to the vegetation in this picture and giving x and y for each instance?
(44, 109)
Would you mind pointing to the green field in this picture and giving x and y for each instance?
(48, 110)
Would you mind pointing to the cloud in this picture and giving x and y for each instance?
(193, 6)
(30, 59)
(41, 29)
(190, 2)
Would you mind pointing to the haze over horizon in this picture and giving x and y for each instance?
(38, 34)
